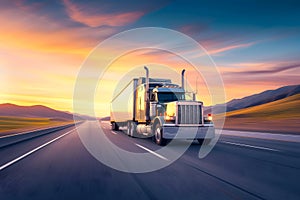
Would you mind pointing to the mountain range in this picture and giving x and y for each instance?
(37, 111)
(257, 99)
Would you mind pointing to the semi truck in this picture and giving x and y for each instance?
(158, 108)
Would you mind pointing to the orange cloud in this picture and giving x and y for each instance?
(228, 48)
(243, 79)
(26, 29)
(256, 68)
(83, 15)
(75, 40)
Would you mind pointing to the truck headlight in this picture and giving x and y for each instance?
(170, 118)
(170, 112)
(209, 117)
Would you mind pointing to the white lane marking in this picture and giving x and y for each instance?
(261, 135)
(33, 150)
(247, 145)
(152, 152)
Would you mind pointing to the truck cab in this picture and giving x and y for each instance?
(163, 111)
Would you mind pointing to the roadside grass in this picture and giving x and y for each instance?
(280, 116)
(10, 125)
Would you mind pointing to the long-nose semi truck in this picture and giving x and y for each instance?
(157, 108)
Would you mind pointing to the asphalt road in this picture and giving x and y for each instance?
(58, 166)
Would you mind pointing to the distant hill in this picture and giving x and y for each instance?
(284, 108)
(36, 111)
(281, 116)
(258, 99)
(264, 97)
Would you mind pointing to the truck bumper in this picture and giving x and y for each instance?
(189, 132)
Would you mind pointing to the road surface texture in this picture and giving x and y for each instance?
(57, 166)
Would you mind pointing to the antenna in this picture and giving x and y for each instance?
(196, 85)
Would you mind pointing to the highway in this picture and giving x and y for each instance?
(58, 166)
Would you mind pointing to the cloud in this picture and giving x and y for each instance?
(193, 29)
(242, 79)
(214, 43)
(270, 71)
(95, 17)
(34, 6)
(31, 31)
(229, 48)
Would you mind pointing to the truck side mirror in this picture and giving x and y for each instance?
(153, 97)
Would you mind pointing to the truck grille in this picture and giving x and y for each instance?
(189, 113)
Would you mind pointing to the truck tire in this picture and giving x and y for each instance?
(114, 126)
(204, 141)
(158, 135)
(131, 129)
(128, 128)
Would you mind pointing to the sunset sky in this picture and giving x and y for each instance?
(255, 44)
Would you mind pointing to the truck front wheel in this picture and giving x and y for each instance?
(158, 135)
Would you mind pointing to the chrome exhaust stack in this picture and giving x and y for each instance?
(182, 79)
(147, 99)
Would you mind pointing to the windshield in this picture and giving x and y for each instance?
(169, 96)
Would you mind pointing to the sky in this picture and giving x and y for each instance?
(43, 45)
